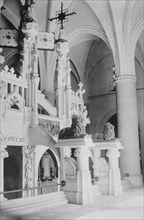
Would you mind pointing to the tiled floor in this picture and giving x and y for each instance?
(128, 206)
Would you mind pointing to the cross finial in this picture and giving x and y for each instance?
(62, 16)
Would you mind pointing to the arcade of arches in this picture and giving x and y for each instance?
(106, 54)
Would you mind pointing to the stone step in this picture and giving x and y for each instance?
(25, 210)
(26, 200)
(29, 205)
(23, 203)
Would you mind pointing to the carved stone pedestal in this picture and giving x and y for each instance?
(109, 180)
(78, 183)
(115, 187)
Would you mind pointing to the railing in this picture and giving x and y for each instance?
(12, 82)
(62, 183)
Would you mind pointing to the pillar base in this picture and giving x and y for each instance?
(84, 198)
(84, 189)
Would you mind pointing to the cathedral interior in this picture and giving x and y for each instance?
(49, 48)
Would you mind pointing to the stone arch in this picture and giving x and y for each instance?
(135, 34)
(42, 150)
(42, 142)
(88, 32)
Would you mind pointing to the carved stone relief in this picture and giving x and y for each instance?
(28, 155)
(51, 127)
(109, 132)
(15, 99)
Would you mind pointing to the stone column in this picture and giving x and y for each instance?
(28, 153)
(3, 154)
(65, 152)
(84, 193)
(115, 187)
(34, 84)
(128, 127)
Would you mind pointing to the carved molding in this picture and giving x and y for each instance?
(125, 77)
(8, 75)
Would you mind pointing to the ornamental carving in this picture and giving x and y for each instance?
(3, 109)
(51, 127)
(27, 13)
(77, 104)
(2, 89)
(28, 28)
(26, 124)
(109, 132)
(15, 99)
(3, 152)
(77, 129)
(113, 153)
(28, 155)
(62, 62)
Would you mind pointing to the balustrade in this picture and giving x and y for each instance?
(13, 83)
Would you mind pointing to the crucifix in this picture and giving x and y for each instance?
(62, 16)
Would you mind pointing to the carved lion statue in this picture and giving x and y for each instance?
(109, 132)
(77, 129)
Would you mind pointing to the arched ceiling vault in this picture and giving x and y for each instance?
(118, 23)
(139, 50)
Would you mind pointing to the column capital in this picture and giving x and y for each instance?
(82, 150)
(113, 153)
(125, 77)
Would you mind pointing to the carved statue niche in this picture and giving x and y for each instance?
(77, 129)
